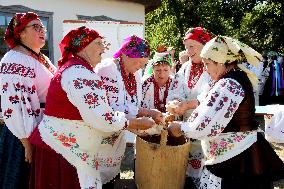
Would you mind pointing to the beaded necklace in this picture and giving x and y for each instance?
(160, 105)
(129, 81)
(195, 72)
(39, 57)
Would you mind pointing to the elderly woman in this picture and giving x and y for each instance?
(24, 79)
(237, 155)
(80, 132)
(122, 78)
(156, 82)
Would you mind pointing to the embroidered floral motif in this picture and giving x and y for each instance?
(91, 99)
(108, 117)
(220, 147)
(217, 128)
(69, 141)
(5, 87)
(231, 109)
(32, 112)
(109, 161)
(235, 88)
(203, 124)
(213, 98)
(14, 99)
(19, 87)
(8, 113)
(24, 100)
(221, 103)
(17, 69)
(80, 83)
(111, 139)
(195, 163)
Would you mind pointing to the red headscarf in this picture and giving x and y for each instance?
(199, 34)
(76, 40)
(16, 26)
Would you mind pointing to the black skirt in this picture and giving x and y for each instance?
(255, 168)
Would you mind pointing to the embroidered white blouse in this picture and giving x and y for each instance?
(148, 93)
(96, 145)
(24, 82)
(211, 117)
(118, 97)
(179, 86)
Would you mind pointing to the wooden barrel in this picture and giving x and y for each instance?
(159, 166)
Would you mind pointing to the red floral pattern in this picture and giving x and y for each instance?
(5, 87)
(195, 73)
(79, 83)
(8, 113)
(203, 124)
(108, 117)
(32, 112)
(91, 99)
(17, 69)
(14, 99)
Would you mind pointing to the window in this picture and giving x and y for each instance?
(7, 12)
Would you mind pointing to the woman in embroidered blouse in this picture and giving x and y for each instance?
(25, 76)
(122, 78)
(191, 79)
(156, 82)
(188, 83)
(87, 139)
(237, 155)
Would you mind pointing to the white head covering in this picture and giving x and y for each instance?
(224, 50)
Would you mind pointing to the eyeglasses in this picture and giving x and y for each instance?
(103, 44)
(38, 27)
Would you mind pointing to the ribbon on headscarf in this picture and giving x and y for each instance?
(16, 25)
(158, 58)
(76, 40)
(199, 34)
(134, 47)
(225, 50)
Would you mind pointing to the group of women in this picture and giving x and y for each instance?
(78, 139)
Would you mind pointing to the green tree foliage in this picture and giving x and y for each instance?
(257, 23)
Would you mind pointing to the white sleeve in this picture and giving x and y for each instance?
(20, 105)
(178, 88)
(214, 113)
(146, 95)
(85, 91)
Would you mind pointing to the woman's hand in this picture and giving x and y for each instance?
(28, 150)
(171, 105)
(174, 129)
(169, 118)
(180, 107)
(157, 116)
(141, 123)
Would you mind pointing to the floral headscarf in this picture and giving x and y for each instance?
(225, 50)
(134, 47)
(157, 59)
(198, 34)
(76, 40)
(16, 25)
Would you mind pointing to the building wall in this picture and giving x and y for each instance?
(69, 9)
